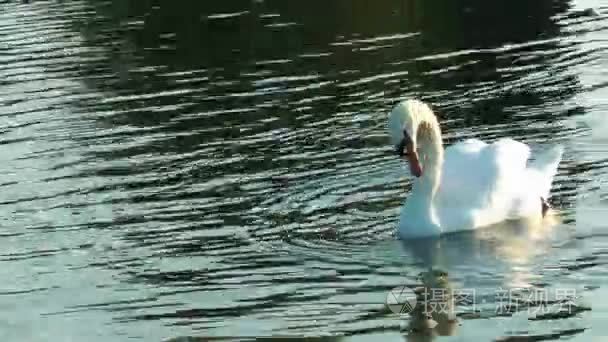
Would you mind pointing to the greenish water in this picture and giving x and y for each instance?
(221, 168)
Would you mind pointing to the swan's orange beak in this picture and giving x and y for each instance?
(412, 157)
(406, 148)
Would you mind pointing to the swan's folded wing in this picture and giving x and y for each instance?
(509, 157)
(476, 173)
(544, 168)
(460, 181)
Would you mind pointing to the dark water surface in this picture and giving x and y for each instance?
(221, 168)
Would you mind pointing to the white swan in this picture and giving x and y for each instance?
(471, 184)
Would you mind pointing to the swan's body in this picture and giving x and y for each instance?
(469, 185)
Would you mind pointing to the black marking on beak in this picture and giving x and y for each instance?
(400, 148)
(545, 206)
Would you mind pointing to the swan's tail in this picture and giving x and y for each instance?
(545, 167)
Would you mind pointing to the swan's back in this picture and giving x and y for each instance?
(483, 184)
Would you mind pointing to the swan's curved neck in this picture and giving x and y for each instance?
(430, 154)
(429, 146)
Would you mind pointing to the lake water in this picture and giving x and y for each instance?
(222, 168)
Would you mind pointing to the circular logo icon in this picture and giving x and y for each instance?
(401, 300)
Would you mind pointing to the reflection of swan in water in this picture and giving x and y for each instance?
(504, 249)
(434, 314)
(469, 185)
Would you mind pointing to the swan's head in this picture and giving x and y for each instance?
(407, 148)
(404, 121)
